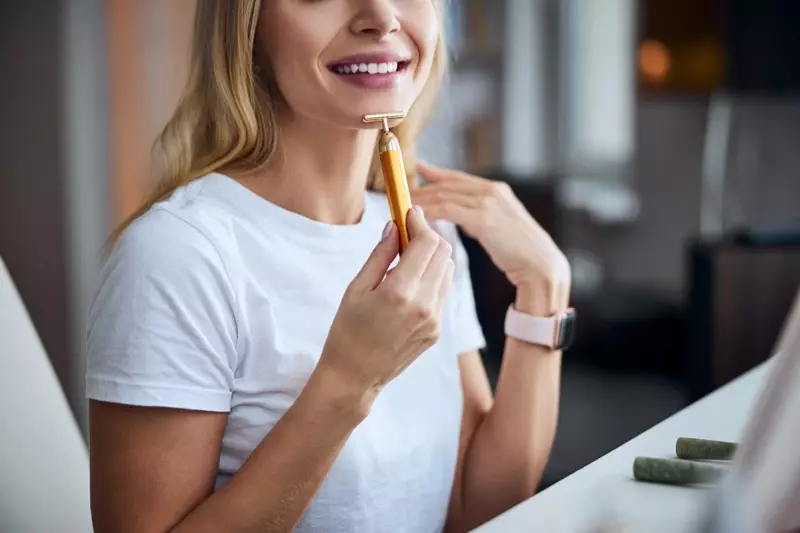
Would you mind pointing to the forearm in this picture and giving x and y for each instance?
(511, 446)
(275, 485)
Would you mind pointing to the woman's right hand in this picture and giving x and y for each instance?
(385, 322)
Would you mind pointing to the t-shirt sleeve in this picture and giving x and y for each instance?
(162, 329)
(466, 331)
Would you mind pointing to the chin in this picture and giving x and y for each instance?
(371, 106)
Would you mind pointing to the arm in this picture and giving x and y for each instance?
(505, 442)
(153, 469)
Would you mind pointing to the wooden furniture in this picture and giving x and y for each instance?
(740, 289)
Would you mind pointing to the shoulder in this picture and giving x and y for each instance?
(163, 274)
(163, 239)
(187, 230)
(163, 324)
(167, 251)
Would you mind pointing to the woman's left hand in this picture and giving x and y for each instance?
(490, 212)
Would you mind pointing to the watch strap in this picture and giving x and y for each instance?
(533, 329)
(556, 332)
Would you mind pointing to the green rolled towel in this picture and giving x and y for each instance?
(687, 448)
(675, 471)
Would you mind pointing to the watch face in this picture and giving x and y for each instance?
(566, 333)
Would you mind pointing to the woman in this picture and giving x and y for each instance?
(254, 364)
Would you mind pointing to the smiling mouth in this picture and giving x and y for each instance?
(387, 67)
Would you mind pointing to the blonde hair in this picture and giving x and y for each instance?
(226, 117)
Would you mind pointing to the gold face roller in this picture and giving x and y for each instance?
(394, 172)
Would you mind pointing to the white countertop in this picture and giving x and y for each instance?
(606, 487)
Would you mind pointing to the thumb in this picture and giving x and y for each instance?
(374, 270)
(415, 222)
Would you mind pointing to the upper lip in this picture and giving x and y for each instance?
(370, 57)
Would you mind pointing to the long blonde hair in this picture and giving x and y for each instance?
(226, 117)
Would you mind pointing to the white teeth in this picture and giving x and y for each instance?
(371, 68)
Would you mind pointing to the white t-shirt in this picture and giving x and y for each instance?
(219, 300)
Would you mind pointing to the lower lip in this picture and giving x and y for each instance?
(390, 80)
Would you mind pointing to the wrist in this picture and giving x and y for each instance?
(543, 297)
(544, 291)
(339, 394)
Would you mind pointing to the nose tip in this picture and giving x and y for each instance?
(376, 32)
(376, 20)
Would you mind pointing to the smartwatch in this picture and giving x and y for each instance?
(556, 332)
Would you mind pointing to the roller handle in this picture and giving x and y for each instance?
(394, 175)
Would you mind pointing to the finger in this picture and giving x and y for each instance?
(462, 215)
(422, 244)
(432, 173)
(438, 175)
(437, 268)
(470, 219)
(431, 195)
(468, 184)
(444, 286)
(374, 269)
(415, 222)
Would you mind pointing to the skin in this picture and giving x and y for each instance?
(153, 469)
(505, 441)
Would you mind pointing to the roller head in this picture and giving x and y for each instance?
(687, 448)
(384, 117)
(675, 471)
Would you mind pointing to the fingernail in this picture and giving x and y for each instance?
(421, 214)
(386, 230)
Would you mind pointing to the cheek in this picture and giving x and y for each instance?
(423, 27)
(293, 45)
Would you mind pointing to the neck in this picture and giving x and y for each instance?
(321, 171)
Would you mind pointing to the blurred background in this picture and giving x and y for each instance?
(657, 140)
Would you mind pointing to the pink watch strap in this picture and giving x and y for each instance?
(532, 329)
